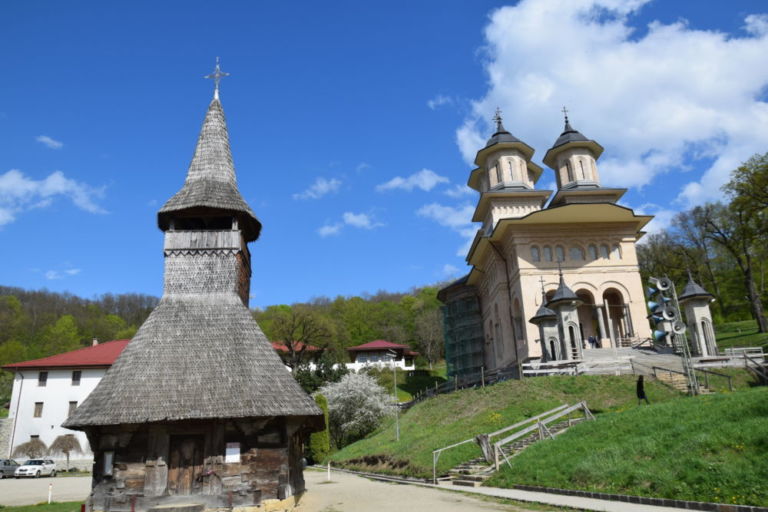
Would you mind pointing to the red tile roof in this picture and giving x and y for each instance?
(297, 345)
(103, 354)
(381, 345)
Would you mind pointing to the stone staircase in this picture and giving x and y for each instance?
(476, 471)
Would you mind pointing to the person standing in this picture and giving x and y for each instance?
(641, 391)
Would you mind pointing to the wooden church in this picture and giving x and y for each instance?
(199, 410)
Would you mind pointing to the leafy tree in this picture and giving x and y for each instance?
(34, 449)
(66, 444)
(736, 231)
(320, 442)
(60, 337)
(356, 406)
(749, 183)
(297, 328)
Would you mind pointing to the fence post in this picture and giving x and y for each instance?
(434, 468)
(496, 449)
(455, 382)
(482, 375)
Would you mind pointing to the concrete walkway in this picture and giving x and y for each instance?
(30, 491)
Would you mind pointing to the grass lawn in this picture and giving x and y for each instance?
(454, 417)
(69, 506)
(740, 334)
(709, 448)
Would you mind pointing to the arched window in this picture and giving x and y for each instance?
(576, 253)
(522, 170)
(498, 172)
(511, 169)
(616, 252)
(560, 253)
(535, 254)
(604, 251)
(547, 253)
(581, 167)
(570, 170)
(592, 252)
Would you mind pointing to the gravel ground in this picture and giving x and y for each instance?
(29, 491)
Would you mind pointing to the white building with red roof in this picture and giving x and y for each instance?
(46, 391)
(381, 353)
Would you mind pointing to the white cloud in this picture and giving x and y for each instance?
(459, 219)
(450, 270)
(330, 229)
(52, 275)
(356, 220)
(662, 217)
(657, 101)
(362, 166)
(319, 188)
(48, 141)
(439, 101)
(359, 220)
(458, 191)
(19, 193)
(425, 179)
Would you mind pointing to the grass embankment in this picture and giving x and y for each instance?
(409, 383)
(709, 448)
(740, 334)
(454, 417)
(68, 506)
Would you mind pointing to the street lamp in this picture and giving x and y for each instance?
(393, 355)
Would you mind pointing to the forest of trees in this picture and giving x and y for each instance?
(722, 244)
(36, 324)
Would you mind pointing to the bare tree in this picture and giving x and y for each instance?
(66, 444)
(429, 332)
(34, 448)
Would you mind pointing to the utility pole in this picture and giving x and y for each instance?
(393, 355)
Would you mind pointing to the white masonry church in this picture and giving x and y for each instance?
(565, 262)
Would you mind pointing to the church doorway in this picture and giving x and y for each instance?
(587, 316)
(618, 321)
(186, 462)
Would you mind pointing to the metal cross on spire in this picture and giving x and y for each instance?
(497, 119)
(565, 113)
(216, 76)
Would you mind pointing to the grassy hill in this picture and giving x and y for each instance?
(451, 418)
(709, 448)
(740, 334)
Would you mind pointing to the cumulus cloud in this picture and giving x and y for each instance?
(355, 220)
(659, 100)
(425, 179)
(439, 101)
(319, 188)
(49, 142)
(459, 219)
(18, 193)
(662, 217)
(458, 191)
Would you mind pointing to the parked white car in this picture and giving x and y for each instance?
(36, 468)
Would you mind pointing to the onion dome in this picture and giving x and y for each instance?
(570, 138)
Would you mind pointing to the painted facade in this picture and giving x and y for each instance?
(528, 236)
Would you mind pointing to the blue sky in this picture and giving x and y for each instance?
(352, 124)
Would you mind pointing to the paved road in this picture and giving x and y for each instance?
(347, 493)
(28, 491)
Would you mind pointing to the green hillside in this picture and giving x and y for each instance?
(451, 418)
(709, 448)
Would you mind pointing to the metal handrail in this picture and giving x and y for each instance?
(757, 367)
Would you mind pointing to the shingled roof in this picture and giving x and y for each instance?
(211, 181)
(200, 353)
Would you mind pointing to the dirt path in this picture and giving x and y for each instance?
(29, 491)
(348, 493)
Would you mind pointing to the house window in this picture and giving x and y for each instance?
(604, 251)
(42, 379)
(547, 253)
(72, 407)
(76, 374)
(38, 410)
(34, 436)
(535, 255)
(560, 253)
(592, 252)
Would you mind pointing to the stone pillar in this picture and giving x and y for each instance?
(601, 325)
(611, 329)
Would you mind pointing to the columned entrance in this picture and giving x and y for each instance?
(617, 318)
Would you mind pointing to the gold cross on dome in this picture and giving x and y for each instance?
(216, 76)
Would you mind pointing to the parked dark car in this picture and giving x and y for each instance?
(7, 467)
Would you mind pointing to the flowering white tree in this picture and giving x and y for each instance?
(356, 406)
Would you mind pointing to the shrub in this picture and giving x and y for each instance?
(320, 442)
